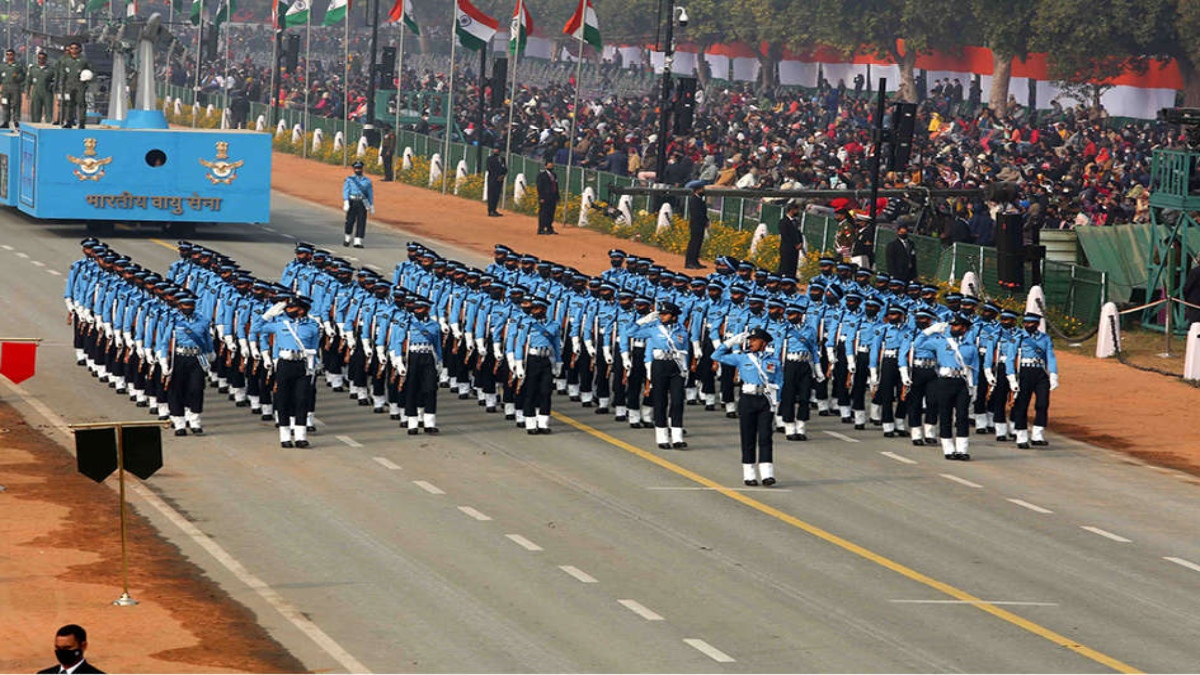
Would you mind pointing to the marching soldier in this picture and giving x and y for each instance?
(358, 197)
(72, 73)
(416, 354)
(633, 360)
(12, 83)
(918, 372)
(667, 360)
(956, 363)
(1035, 375)
(761, 376)
(996, 367)
(801, 355)
(295, 338)
(885, 370)
(39, 82)
(185, 359)
(537, 360)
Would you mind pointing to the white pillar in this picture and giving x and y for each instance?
(1109, 337)
(1035, 302)
(625, 206)
(520, 186)
(664, 218)
(1191, 361)
(970, 286)
(406, 159)
(435, 168)
(760, 233)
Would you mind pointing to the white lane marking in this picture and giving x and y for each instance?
(842, 437)
(1031, 507)
(709, 650)
(474, 513)
(960, 481)
(22, 255)
(641, 610)
(268, 229)
(6, 247)
(579, 574)
(899, 458)
(55, 273)
(523, 542)
(38, 263)
(429, 487)
(1019, 603)
(1186, 563)
(1106, 534)
(702, 488)
(387, 463)
(350, 441)
(268, 594)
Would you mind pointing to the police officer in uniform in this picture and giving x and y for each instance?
(294, 352)
(72, 73)
(761, 376)
(497, 169)
(358, 197)
(12, 83)
(1035, 375)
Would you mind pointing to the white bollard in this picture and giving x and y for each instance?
(339, 141)
(361, 150)
(664, 218)
(1191, 361)
(178, 107)
(196, 109)
(435, 168)
(625, 206)
(520, 186)
(208, 112)
(226, 121)
(297, 134)
(281, 128)
(1035, 302)
(260, 124)
(585, 205)
(1108, 340)
(406, 159)
(460, 174)
(318, 136)
(166, 104)
(970, 286)
(760, 233)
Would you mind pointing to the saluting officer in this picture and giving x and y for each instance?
(296, 337)
(761, 376)
(1031, 355)
(12, 83)
(358, 197)
(39, 82)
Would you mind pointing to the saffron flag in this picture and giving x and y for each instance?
(519, 30)
(474, 28)
(583, 25)
(402, 11)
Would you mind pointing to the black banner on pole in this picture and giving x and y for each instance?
(96, 452)
(143, 450)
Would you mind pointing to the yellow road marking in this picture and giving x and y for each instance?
(164, 244)
(952, 591)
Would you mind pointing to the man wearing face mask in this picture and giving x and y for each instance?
(294, 353)
(918, 372)
(70, 642)
(902, 256)
(1034, 375)
(956, 366)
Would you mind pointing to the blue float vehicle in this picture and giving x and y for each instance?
(133, 169)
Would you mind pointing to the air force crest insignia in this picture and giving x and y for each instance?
(221, 171)
(89, 167)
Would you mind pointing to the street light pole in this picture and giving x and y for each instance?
(369, 125)
(664, 103)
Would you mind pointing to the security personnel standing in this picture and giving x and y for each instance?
(294, 352)
(358, 197)
(538, 359)
(72, 73)
(547, 191)
(387, 154)
(497, 169)
(1035, 374)
(185, 359)
(667, 361)
(761, 376)
(12, 83)
(39, 82)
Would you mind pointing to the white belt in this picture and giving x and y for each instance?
(924, 363)
(803, 357)
(952, 372)
(754, 389)
(540, 351)
(422, 348)
(863, 350)
(187, 351)
(1034, 363)
(638, 343)
(291, 355)
(890, 353)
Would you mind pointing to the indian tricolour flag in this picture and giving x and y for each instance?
(519, 30)
(297, 14)
(474, 28)
(402, 11)
(583, 25)
(336, 12)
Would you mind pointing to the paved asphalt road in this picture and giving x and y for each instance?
(485, 550)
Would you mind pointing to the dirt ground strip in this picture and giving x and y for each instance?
(59, 542)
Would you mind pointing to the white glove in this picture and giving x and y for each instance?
(557, 368)
(345, 204)
(399, 367)
(498, 351)
(576, 344)
(70, 304)
(445, 326)
(939, 327)
(230, 343)
(381, 353)
(244, 344)
(736, 340)
(518, 370)
(1053, 381)
(164, 364)
(481, 346)
(220, 330)
(371, 207)
(625, 361)
(715, 343)
(818, 376)
(350, 341)
(1012, 384)
(454, 328)
(905, 376)
(590, 347)
(276, 310)
(873, 378)
(851, 366)
(649, 318)
(991, 377)
(831, 353)
(608, 357)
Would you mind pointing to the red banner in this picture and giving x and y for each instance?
(18, 360)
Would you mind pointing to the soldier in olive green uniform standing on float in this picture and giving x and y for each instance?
(71, 76)
(12, 81)
(39, 82)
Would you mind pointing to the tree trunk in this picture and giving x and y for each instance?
(766, 64)
(1001, 75)
(908, 80)
(1191, 82)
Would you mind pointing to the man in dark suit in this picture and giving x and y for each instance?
(547, 189)
(902, 256)
(697, 224)
(497, 169)
(791, 240)
(69, 644)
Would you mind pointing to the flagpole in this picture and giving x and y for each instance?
(512, 90)
(307, 46)
(346, 84)
(449, 112)
(574, 121)
(399, 70)
(273, 92)
(225, 84)
(199, 44)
